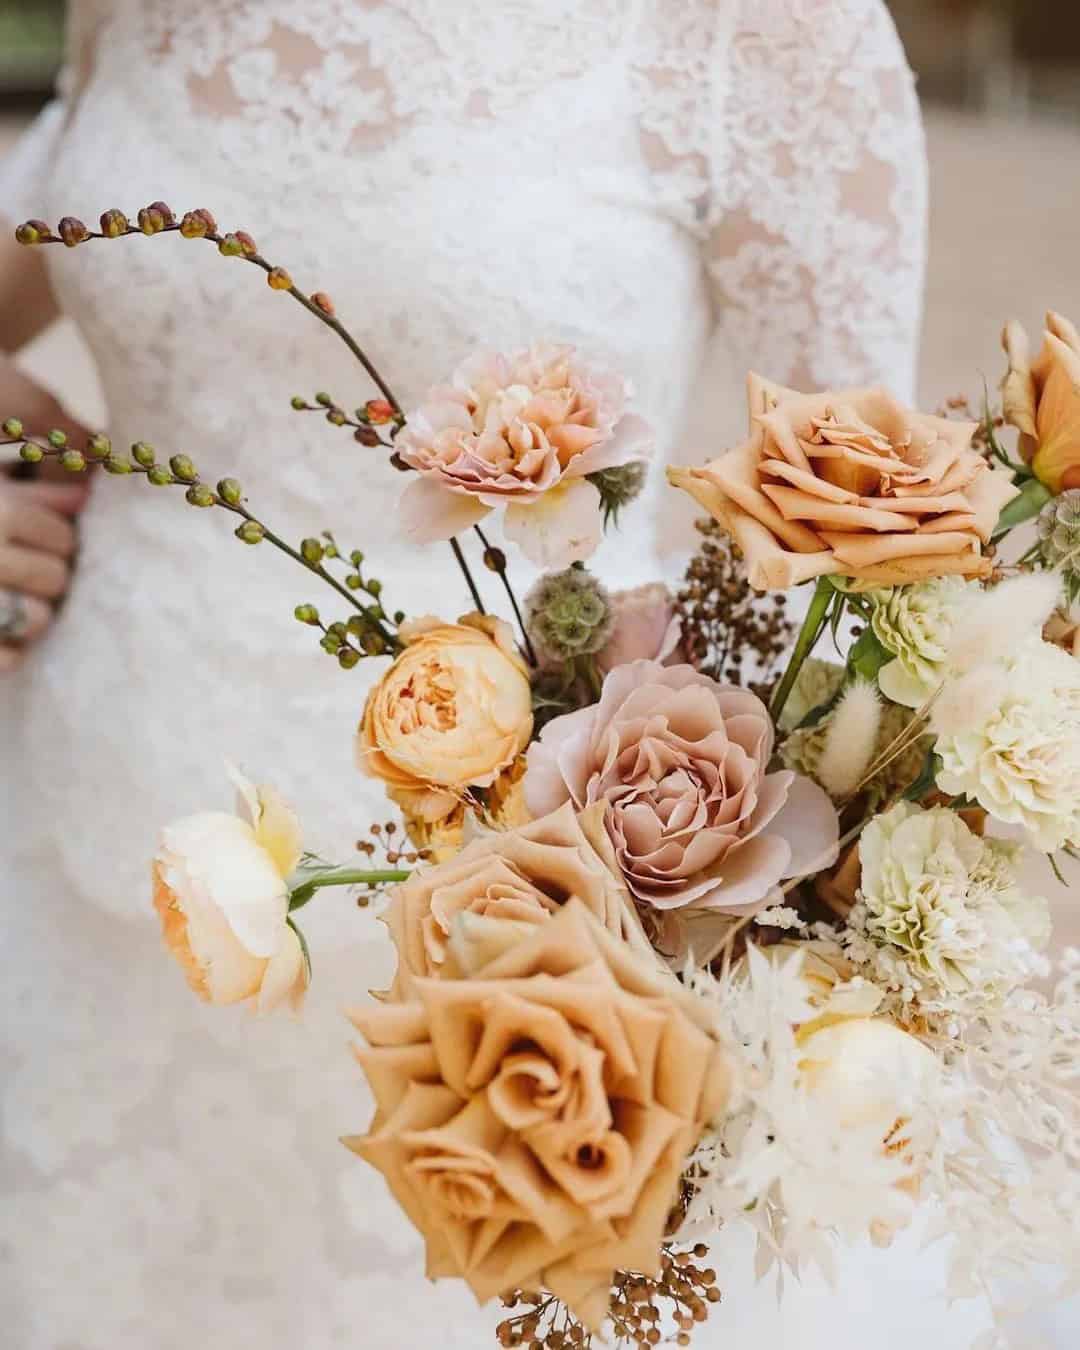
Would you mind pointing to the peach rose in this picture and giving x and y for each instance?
(851, 484)
(221, 892)
(1042, 400)
(452, 712)
(520, 432)
(535, 1112)
(521, 877)
(680, 764)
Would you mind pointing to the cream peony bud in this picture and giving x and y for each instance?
(222, 894)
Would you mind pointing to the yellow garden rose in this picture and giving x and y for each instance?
(1042, 400)
(451, 713)
(221, 891)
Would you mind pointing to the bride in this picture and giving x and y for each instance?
(677, 185)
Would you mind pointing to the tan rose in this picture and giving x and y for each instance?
(521, 877)
(221, 892)
(851, 484)
(535, 1113)
(451, 713)
(1042, 400)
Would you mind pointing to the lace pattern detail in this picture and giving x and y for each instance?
(636, 176)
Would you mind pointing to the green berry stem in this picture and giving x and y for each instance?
(344, 876)
(495, 559)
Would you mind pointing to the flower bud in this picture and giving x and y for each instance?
(374, 587)
(113, 224)
(356, 558)
(495, 560)
(57, 439)
(336, 417)
(331, 643)
(230, 491)
(323, 302)
(347, 657)
(372, 644)
(354, 581)
(31, 453)
(338, 630)
(279, 280)
(155, 217)
(159, 475)
(397, 461)
(368, 436)
(74, 461)
(312, 552)
(143, 454)
(250, 532)
(13, 428)
(200, 495)
(356, 626)
(33, 232)
(198, 224)
(230, 247)
(118, 466)
(379, 411)
(72, 231)
(299, 404)
(247, 244)
(307, 614)
(183, 468)
(323, 399)
(99, 446)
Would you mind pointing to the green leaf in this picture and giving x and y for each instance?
(868, 655)
(1033, 497)
(303, 946)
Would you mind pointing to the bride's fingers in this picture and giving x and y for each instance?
(67, 498)
(32, 573)
(42, 529)
(37, 616)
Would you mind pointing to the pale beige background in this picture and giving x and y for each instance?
(1005, 202)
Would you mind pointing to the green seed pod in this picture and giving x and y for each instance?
(57, 439)
(330, 644)
(159, 475)
(183, 468)
(307, 614)
(356, 626)
(339, 630)
(31, 453)
(99, 446)
(230, 491)
(324, 399)
(74, 461)
(143, 454)
(299, 404)
(200, 495)
(348, 657)
(312, 552)
(13, 428)
(568, 614)
(251, 532)
(117, 466)
(374, 587)
(356, 558)
(336, 417)
(354, 581)
(230, 246)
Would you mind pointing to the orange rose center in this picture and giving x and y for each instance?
(427, 700)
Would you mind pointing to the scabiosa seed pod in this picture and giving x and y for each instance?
(568, 614)
(618, 487)
(1059, 538)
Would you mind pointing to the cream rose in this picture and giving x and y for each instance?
(221, 892)
(535, 1110)
(851, 484)
(1042, 400)
(452, 712)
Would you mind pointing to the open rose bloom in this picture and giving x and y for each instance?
(537, 1104)
(851, 484)
(520, 432)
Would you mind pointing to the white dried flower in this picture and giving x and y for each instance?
(850, 741)
(941, 918)
(1008, 736)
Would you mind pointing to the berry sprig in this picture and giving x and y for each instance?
(376, 412)
(368, 632)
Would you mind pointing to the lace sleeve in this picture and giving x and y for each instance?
(817, 219)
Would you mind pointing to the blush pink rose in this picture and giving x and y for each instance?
(646, 628)
(681, 763)
(521, 432)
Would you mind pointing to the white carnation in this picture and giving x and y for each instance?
(941, 919)
(915, 624)
(1017, 753)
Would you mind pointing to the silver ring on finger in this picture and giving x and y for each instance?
(14, 617)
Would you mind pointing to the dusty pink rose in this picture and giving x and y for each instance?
(646, 627)
(520, 432)
(681, 762)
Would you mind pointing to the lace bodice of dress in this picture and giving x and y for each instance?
(647, 178)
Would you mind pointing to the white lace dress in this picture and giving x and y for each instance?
(642, 177)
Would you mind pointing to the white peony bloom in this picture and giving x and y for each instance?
(941, 919)
(1008, 736)
(221, 892)
(915, 623)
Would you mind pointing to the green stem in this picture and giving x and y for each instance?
(344, 876)
(468, 576)
(811, 630)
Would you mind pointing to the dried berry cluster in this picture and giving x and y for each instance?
(386, 845)
(643, 1312)
(729, 631)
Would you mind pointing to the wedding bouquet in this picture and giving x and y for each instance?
(688, 934)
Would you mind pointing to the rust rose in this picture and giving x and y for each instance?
(1042, 400)
(521, 877)
(680, 763)
(452, 712)
(851, 484)
(534, 1114)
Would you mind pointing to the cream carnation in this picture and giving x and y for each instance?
(941, 918)
(914, 624)
(1008, 736)
(523, 432)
